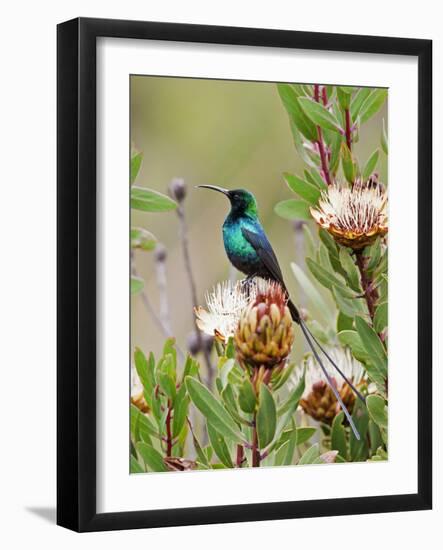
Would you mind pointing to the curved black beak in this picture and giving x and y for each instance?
(215, 188)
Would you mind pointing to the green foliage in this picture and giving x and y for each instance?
(149, 200)
(319, 114)
(359, 289)
(137, 285)
(293, 209)
(372, 104)
(143, 239)
(146, 200)
(307, 191)
(302, 122)
(266, 417)
(370, 165)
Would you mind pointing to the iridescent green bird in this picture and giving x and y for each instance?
(250, 251)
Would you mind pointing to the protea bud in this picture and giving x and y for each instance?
(265, 334)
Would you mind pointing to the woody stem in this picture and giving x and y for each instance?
(255, 450)
(370, 293)
(320, 142)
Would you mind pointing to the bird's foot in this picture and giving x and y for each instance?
(248, 283)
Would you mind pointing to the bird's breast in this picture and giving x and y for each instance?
(239, 251)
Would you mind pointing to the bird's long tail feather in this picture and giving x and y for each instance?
(313, 342)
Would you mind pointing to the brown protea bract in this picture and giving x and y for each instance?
(321, 404)
(265, 334)
(139, 401)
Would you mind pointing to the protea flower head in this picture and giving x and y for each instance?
(265, 334)
(225, 304)
(353, 216)
(318, 400)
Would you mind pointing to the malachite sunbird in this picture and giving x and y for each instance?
(250, 251)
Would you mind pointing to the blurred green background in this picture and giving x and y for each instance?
(228, 133)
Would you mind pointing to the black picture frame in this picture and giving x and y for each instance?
(76, 265)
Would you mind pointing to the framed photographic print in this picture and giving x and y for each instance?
(233, 343)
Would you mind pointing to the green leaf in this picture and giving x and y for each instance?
(374, 254)
(359, 449)
(310, 455)
(169, 349)
(304, 434)
(327, 279)
(288, 408)
(357, 102)
(181, 405)
(213, 410)
(246, 397)
(381, 317)
(296, 113)
(266, 417)
(149, 200)
(335, 153)
(370, 165)
(152, 458)
(352, 273)
(352, 339)
(310, 246)
(191, 368)
(348, 163)
(299, 145)
(372, 344)
(293, 209)
(377, 410)
(374, 436)
(227, 365)
(201, 455)
(167, 385)
(136, 162)
(338, 435)
(145, 369)
(344, 97)
(349, 306)
(280, 380)
(384, 139)
(314, 177)
(319, 114)
(344, 322)
(219, 446)
(136, 467)
(324, 258)
(141, 426)
(309, 289)
(289, 448)
(229, 399)
(329, 242)
(137, 285)
(304, 189)
(142, 239)
(372, 104)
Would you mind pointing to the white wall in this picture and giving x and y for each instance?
(27, 273)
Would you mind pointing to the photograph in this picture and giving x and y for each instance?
(258, 274)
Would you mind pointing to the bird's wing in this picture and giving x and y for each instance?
(262, 246)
